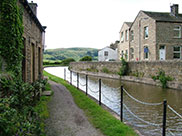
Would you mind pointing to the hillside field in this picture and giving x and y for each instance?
(64, 53)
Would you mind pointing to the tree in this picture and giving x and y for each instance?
(67, 61)
(86, 58)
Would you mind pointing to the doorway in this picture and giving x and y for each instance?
(162, 53)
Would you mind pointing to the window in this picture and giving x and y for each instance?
(146, 52)
(126, 54)
(132, 35)
(122, 54)
(106, 53)
(177, 32)
(132, 53)
(162, 47)
(126, 35)
(146, 33)
(177, 52)
(122, 37)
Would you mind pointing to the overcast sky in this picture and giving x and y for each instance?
(91, 23)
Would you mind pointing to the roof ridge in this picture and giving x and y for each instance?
(159, 12)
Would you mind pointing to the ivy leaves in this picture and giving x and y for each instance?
(11, 30)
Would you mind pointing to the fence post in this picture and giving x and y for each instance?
(70, 77)
(164, 118)
(86, 84)
(99, 91)
(77, 80)
(121, 108)
(64, 73)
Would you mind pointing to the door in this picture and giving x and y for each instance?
(162, 53)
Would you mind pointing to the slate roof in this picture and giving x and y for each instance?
(32, 15)
(128, 23)
(164, 17)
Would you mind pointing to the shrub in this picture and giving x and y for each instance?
(66, 62)
(86, 58)
(124, 68)
(161, 76)
(105, 70)
(17, 114)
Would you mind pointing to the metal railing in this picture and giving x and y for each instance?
(122, 105)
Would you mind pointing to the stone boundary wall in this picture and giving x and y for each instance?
(143, 69)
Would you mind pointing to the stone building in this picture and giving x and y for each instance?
(123, 46)
(156, 36)
(34, 41)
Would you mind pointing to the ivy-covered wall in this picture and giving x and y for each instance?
(21, 47)
(11, 30)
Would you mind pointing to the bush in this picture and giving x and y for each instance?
(86, 58)
(66, 62)
(161, 76)
(124, 68)
(105, 70)
(17, 114)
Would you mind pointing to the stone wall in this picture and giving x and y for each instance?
(33, 46)
(142, 68)
(123, 46)
(165, 37)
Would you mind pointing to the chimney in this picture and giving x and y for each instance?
(33, 6)
(174, 10)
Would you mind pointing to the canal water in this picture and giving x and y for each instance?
(138, 111)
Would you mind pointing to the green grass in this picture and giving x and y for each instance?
(42, 109)
(100, 118)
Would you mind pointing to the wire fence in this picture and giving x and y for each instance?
(116, 102)
(149, 123)
(92, 90)
(82, 84)
(174, 111)
(122, 104)
(150, 104)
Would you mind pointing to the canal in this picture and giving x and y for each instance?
(138, 111)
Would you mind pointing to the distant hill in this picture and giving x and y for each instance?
(75, 53)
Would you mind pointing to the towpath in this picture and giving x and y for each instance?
(66, 119)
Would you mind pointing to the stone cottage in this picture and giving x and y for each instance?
(123, 46)
(34, 42)
(156, 36)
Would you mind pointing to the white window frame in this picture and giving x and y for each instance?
(180, 52)
(126, 35)
(132, 35)
(132, 53)
(178, 30)
(146, 32)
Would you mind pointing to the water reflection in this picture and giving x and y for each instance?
(142, 92)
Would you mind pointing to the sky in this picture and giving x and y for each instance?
(91, 23)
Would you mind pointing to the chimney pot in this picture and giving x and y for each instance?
(33, 6)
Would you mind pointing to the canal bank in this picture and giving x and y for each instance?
(146, 93)
(140, 72)
(103, 121)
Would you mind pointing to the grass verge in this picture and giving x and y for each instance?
(42, 109)
(100, 118)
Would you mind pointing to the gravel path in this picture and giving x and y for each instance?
(66, 119)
